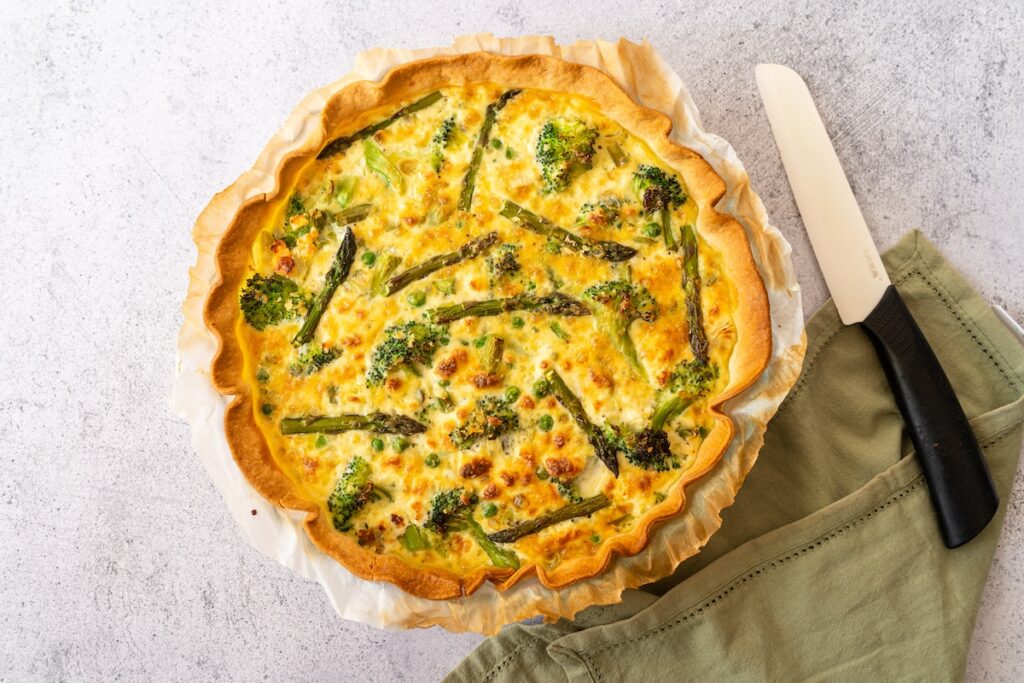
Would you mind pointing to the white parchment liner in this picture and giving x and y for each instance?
(279, 534)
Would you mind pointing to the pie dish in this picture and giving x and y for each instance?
(460, 334)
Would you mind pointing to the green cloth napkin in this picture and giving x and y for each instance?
(830, 564)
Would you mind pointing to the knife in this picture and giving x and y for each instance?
(958, 479)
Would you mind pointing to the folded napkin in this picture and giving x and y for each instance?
(830, 564)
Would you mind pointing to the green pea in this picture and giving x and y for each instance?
(444, 382)
(545, 423)
(652, 229)
(541, 388)
(496, 143)
(490, 510)
(266, 408)
(417, 298)
(262, 375)
(377, 445)
(321, 441)
(552, 247)
(432, 460)
(399, 443)
(541, 474)
(480, 341)
(512, 393)
(518, 322)
(368, 258)
(595, 539)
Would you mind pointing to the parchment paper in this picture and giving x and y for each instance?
(279, 534)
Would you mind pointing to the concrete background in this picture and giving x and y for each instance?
(117, 123)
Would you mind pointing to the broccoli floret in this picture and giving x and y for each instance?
(445, 132)
(656, 189)
(405, 343)
(565, 148)
(452, 510)
(295, 206)
(606, 213)
(312, 359)
(693, 377)
(620, 304)
(442, 138)
(449, 510)
(353, 491)
(659, 192)
(490, 419)
(567, 490)
(629, 301)
(649, 447)
(269, 300)
(504, 261)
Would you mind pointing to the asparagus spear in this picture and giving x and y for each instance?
(482, 140)
(499, 557)
(339, 145)
(352, 214)
(379, 281)
(469, 250)
(691, 290)
(587, 506)
(379, 423)
(601, 249)
(554, 303)
(559, 332)
(491, 354)
(666, 230)
(669, 410)
(335, 276)
(618, 156)
(414, 539)
(595, 435)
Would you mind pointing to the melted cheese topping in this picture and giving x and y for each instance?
(422, 221)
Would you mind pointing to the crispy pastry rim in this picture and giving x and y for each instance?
(350, 109)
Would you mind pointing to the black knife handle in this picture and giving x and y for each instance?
(954, 467)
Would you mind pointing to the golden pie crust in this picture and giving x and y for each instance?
(351, 109)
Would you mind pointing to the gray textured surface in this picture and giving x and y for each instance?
(117, 557)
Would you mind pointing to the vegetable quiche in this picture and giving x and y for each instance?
(485, 325)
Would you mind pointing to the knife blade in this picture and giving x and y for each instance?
(958, 480)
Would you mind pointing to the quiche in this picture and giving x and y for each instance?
(484, 327)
